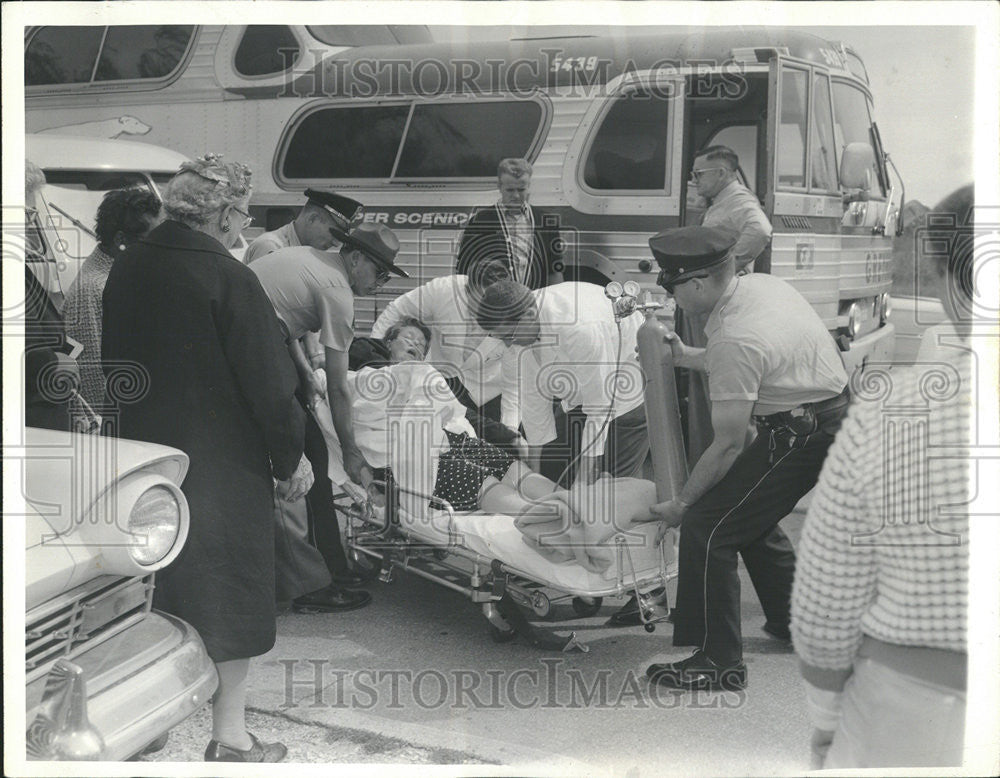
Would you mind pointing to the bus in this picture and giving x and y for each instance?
(611, 123)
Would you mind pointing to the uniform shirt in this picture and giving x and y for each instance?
(311, 292)
(458, 346)
(736, 208)
(82, 316)
(577, 360)
(281, 238)
(767, 344)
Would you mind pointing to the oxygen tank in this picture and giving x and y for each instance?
(663, 415)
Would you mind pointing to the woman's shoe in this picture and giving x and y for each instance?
(258, 752)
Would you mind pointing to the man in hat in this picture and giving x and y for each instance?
(573, 351)
(770, 359)
(313, 291)
(321, 223)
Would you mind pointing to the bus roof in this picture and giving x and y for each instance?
(484, 67)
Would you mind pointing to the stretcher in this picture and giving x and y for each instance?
(484, 557)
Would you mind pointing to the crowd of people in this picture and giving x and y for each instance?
(254, 369)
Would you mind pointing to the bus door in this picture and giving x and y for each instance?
(723, 110)
(840, 264)
(804, 201)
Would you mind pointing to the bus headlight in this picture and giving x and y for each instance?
(885, 307)
(154, 523)
(852, 320)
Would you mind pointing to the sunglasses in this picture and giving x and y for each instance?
(671, 285)
(697, 174)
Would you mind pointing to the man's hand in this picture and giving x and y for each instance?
(682, 353)
(296, 487)
(357, 468)
(669, 513)
(520, 445)
(820, 744)
(314, 388)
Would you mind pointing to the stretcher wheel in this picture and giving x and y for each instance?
(540, 604)
(587, 606)
(649, 627)
(361, 565)
(498, 635)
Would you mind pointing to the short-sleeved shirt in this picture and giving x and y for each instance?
(768, 345)
(736, 208)
(268, 242)
(311, 292)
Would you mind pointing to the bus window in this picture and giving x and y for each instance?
(792, 129)
(629, 151)
(135, 52)
(265, 49)
(824, 162)
(852, 121)
(467, 140)
(62, 55)
(67, 55)
(345, 142)
(741, 138)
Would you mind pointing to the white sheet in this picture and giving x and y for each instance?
(495, 537)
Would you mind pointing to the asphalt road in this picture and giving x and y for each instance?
(415, 679)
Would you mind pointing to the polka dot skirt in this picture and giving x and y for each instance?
(463, 468)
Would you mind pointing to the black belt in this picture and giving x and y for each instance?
(804, 419)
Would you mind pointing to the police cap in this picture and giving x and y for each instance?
(343, 210)
(683, 251)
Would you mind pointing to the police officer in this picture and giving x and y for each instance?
(769, 359)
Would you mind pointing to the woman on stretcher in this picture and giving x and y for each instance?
(406, 400)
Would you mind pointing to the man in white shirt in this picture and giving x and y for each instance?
(735, 208)
(479, 369)
(573, 351)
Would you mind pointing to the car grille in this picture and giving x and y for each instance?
(74, 621)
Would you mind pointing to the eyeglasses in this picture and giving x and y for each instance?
(697, 174)
(382, 277)
(247, 218)
(671, 285)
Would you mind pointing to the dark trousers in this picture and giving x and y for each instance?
(324, 529)
(624, 453)
(740, 515)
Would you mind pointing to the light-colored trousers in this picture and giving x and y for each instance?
(892, 719)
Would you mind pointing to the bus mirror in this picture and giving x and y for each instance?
(856, 166)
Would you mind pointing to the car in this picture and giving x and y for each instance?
(78, 173)
(106, 674)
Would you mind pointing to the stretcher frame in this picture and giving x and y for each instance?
(384, 540)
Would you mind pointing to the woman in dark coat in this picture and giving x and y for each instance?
(195, 358)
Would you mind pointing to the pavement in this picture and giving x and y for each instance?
(415, 679)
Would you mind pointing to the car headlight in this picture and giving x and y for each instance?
(154, 523)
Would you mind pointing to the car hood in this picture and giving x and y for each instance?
(64, 475)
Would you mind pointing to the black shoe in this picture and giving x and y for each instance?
(628, 614)
(349, 580)
(258, 752)
(697, 673)
(778, 631)
(330, 600)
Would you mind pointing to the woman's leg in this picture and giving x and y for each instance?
(229, 709)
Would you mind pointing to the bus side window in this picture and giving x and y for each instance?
(824, 163)
(265, 49)
(62, 55)
(629, 150)
(792, 128)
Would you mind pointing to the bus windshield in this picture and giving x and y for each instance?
(852, 122)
